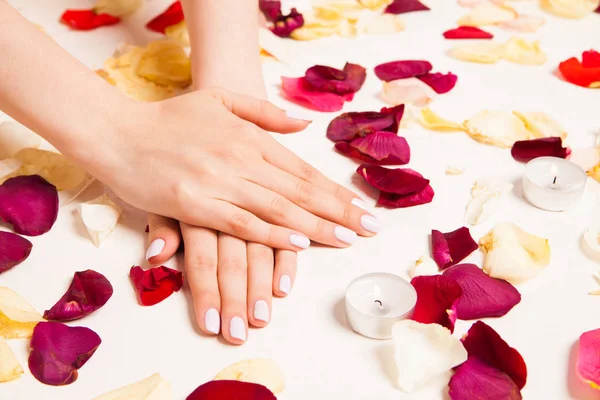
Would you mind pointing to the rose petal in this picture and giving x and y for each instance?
(436, 300)
(85, 20)
(374, 4)
(476, 379)
(590, 242)
(155, 387)
(576, 73)
(570, 8)
(431, 120)
(393, 200)
(165, 63)
(424, 352)
(118, 8)
(332, 80)
(155, 284)
(441, 83)
(482, 296)
(481, 52)
(171, 16)
(484, 343)
(467, 32)
(270, 8)
(588, 362)
(595, 173)
(380, 24)
(15, 137)
(407, 91)
(284, 25)
(451, 248)
(100, 217)
(497, 128)
(58, 351)
(14, 249)
(262, 371)
(382, 148)
(88, 292)
(521, 51)
(424, 266)
(488, 14)
(399, 181)
(10, 369)
(405, 6)
(524, 23)
(590, 59)
(393, 70)
(300, 91)
(541, 125)
(527, 150)
(29, 204)
(351, 125)
(319, 28)
(231, 390)
(17, 316)
(486, 195)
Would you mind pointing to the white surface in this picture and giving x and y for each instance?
(308, 336)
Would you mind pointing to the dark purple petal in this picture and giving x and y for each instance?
(436, 299)
(393, 70)
(392, 200)
(477, 380)
(284, 25)
(401, 181)
(527, 150)
(351, 125)
(231, 390)
(451, 248)
(299, 91)
(441, 83)
(14, 249)
(270, 8)
(328, 79)
(89, 291)
(405, 6)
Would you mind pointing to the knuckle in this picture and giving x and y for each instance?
(202, 263)
(321, 227)
(239, 223)
(261, 255)
(307, 171)
(233, 265)
(279, 207)
(347, 216)
(305, 192)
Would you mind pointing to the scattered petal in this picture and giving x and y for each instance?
(575, 72)
(588, 362)
(85, 20)
(118, 8)
(231, 390)
(405, 6)
(431, 120)
(270, 8)
(481, 52)
(155, 387)
(393, 200)
(285, 25)
(570, 8)
(171, 16)
(374, 4)
(394, 70)
(451, 170)
(476, 379)
(178, 33)
(262, 371)
(155, 284)
(451, 248)
(424, 266)
(379, 148)
(467, 32)
(17, 316)
(541, 125)
(590, 242)
(524, 23)
(327, 79)
(590, 59)
(10, 369)
(521, 51)
(527, 150)
(275, 46)
(300, 91)
(497, 128)
(14, 249)
(441, 83)
(407, 91)
(100, 217)
(380, 24)
(15, 137)
(165, 63)
(488, 14)
(318, 28)
(436, 300)
(486, 195)
(351, 125)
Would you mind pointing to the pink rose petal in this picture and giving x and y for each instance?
(588, 358)
(300, 91)
(29, 204)
(155, 284)
(452, 247)
(527, 150)
(88, 292)
(58, 351)
(379, 148)
(393, 70)
(270, 8)
(405, 6)
(436, 300)
(467, 32)
(477, 380)
(407, 91)
(231, 390)
(351, 125)
(14, 249)
(328, 79)
(441, 83)
(482, 295)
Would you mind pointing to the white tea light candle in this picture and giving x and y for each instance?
(375, 302)
(553, 184)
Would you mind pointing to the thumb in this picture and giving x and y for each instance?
(262, 113)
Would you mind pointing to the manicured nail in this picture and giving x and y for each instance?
(237, 328)
(361, 204)
(155, 248)
(370, 223)
(345, 235)
(261, 311)
(298, 115)
(300, 241)
(212, 321)
(285, 284)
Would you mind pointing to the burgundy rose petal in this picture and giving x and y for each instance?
(231, 390)
(399, 181)
(392, 200)
(590, 59)
(483, 296)
(270, 8)
(155, 284)
(328, 79)
(483, 342)
(386, 148)
(171, 16)
(351, 125)
(477, 380)
(29, 204)
(441, 83)
(14, 249)
(436, 299)
(299, 91)
(467, 32)
(405, 6)
(451, 248)
(89, 291)
(58, 351)
(284, 25)
(527, 150)
(393, 70)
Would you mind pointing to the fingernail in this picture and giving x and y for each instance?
(285, 284)
(155, 248)
(300, 241)
(261, 311)
(360, 203)
(345, 235)
(212, 321)
(370, 223)
(237, 328)
(298, 115)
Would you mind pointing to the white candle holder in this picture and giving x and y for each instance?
(553, 184)
(376, 301)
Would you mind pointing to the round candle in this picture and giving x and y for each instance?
(553, 184)
(375, 302)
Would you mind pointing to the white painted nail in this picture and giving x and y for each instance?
(345, 235)
(370, 223)
(237, 328)
(155, 248)
(360, 203)
(285, 284)
(300, 241)
(298, 115)
(261, 311)
(212, 321)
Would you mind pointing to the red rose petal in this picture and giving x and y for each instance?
(14, 249)
(270, 8)
(29, 204)
(58, 351)
(392, 200)
(399, 181)
(482, 295)
(155, 284)
(527, 150)
(231, 390)
(436, 299)
(451, 248)
(405, 6)
(393, 70)
(467, 32)
(477, 380)
(88, 292)
(484, 343)
(576, 73)
(379, 148)
(590, 59)
(441, 83)
(85, 20)
(284, 25)
(301, 92)
(351, 125)
(588, 359)
(171, 16)
(328, 79)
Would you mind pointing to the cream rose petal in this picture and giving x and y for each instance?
(521, 51)
(541, 124)
(433, 121)
(595, 172)
(486, 52)
(100, 217)
(155, 387)
(17, 316)
(452, 170)
(497, 128)
(586, 158)
(380, 23)
(524, 23)
(262, 371)
(275, 46)
(407, 91)
(10, 369)
(178, 33)
(486, 198)
(118, 8)
(375, 4)
(423, 266)
(513, 254)
(316, 29)
(15, 137)
(597, 291)
(570, 8)
(424, 352)
(488, 14)
(590, 243)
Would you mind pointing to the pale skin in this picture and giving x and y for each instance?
(237, 194)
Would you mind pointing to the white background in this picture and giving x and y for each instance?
(309, 337)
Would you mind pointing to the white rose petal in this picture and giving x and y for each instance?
(498, 128)
(10, 369)
(262, 371)
(100, 217)
(590, 242)
(17, 316)
(486, 197)
(154, 387)
(423, 266)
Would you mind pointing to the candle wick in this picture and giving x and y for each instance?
(379, 302)
(554, 181)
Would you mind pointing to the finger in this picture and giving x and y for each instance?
(261, 112)
(164, 238)
(232, 273)
(260, 282)
(285, 272)
(201, 272)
